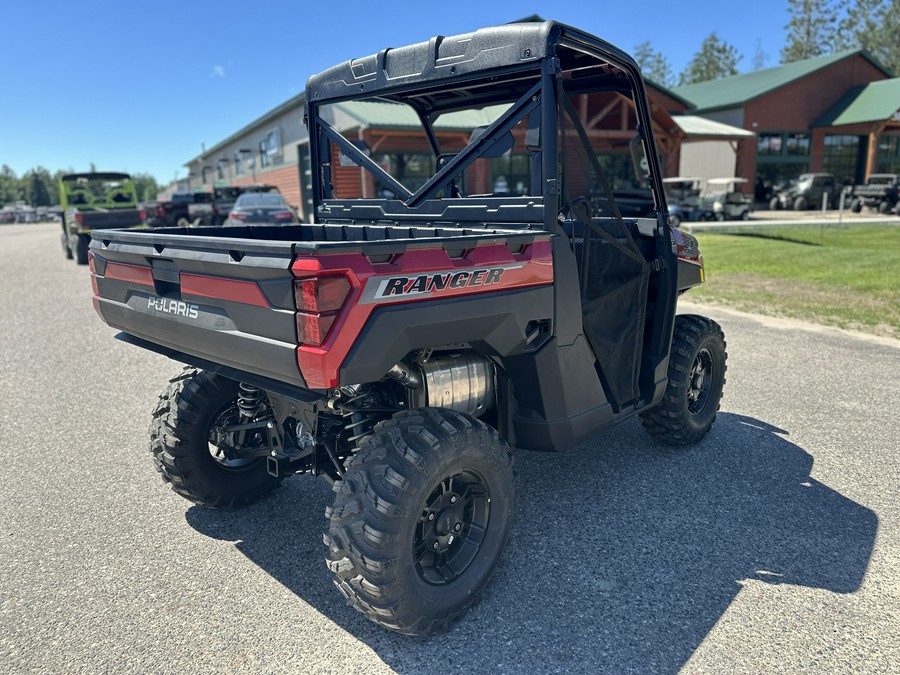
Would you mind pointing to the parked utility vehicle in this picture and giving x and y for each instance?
(94, 200)
(808, 192)
(881, 192)
(403, 343)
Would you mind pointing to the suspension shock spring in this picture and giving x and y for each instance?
(359, 426)
(249, 400)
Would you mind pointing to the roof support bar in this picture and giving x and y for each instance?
(362, 159)
(502, 125)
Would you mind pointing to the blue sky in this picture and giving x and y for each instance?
(138, 86)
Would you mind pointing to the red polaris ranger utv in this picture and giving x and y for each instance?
(503, 275)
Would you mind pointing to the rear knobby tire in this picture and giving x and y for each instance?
(187, 410)
(420, 518)
(696, 380)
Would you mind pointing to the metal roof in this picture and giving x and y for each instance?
(696, 127)
(397, 116)
(730, 92)
(875, 102)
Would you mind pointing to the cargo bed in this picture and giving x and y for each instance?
(228, 295)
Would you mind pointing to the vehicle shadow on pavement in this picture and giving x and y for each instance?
(624, 555)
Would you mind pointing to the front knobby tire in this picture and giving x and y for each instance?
(420, 519)
(187, 448)
(82, 246)
(696, 380)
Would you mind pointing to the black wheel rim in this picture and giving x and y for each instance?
(223, 445)
(700, 382)
(451, 528)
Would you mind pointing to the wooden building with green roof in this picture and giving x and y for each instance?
(838, 114)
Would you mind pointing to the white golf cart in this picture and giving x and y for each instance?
(727, 202)
(682, 195)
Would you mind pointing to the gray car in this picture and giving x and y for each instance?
(260, 207)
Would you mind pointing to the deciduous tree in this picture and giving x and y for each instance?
(10, 186)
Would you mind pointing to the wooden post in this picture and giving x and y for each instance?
(872, 151)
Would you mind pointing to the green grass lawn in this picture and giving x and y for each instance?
(847, 277)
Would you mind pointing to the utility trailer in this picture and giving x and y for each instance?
(402, 344)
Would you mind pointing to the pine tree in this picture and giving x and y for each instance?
(715, 59)
(887, 47)
(813, 29)
(654, 65)
(874, 25)
(859, 28)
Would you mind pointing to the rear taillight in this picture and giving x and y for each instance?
(79, 218)
(318, 301)
(234, 215)
(143, 216)
(161, 210)
(282, 215)
(312, 329)
(93, 267)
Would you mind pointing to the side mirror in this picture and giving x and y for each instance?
(639, 161)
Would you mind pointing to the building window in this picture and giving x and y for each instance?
(781, 156)
(270, 148)
(510, 174)
(238, 163)
(797, 144)
(220, 170)
(769, 144)
(778, 144)
(844, 156)
(888, 154)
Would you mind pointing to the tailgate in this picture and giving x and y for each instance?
(96, 220)
(232, 307)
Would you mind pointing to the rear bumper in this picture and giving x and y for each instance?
(247, 324)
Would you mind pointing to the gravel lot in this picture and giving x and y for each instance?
(773, 546)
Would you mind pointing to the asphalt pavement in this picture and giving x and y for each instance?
(772, 546)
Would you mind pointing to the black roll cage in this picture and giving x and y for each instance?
(430, 96)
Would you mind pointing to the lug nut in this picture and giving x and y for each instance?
(430, 516)
(453, 499)
(457, 527)
(435, 546)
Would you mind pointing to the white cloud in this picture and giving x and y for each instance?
(218, 71)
